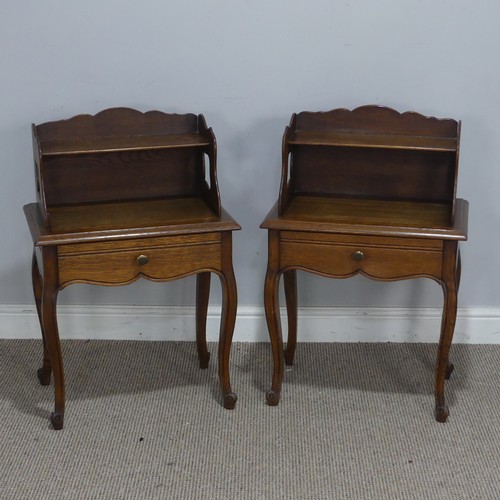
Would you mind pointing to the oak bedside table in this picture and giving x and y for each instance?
(368, 191)
(123, 195)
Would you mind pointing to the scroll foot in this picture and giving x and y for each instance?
(230, 401)
(441, 413)
(449, 370)
(57, 420)
(204, 361)
(43, 376)
(273, 398)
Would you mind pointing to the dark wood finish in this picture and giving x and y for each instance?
(290, 281)
(344, 138)
(45, 371)
(368, 191)
(125, 220)
(124, 195)
(141, 156)
(202, 296)
(375, 217)
(370, 152)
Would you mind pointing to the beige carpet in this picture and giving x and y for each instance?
(355, 421)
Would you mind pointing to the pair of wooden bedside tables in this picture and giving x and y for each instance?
(125, 194)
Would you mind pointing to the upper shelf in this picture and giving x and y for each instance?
(368, 140)
(116, 144)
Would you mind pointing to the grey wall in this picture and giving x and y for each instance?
(247, 65)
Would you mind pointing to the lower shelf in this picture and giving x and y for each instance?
(132, 219)
(368, 216)
(366, 211)
(123, 215)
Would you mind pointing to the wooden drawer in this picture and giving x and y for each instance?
(376, 257)
(115, 263)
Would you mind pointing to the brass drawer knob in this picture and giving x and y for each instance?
(142, 260)
(358, 256)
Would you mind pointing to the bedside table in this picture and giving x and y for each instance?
(123, 195)
(367, 191)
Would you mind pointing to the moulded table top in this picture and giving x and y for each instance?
(371, 217)
(132, 219)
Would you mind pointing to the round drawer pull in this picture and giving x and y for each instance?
(358, 256)
(142, 260)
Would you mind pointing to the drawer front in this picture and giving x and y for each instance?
(124, 266)
(343, 259)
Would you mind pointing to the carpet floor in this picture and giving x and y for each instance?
(355, 421)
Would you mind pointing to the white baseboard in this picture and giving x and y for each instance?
(474, 325)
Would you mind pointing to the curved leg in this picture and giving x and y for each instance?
(202, 295)
(271, 306)
(45, 371)
(290, 279)
(49, 319)
(443, 368)
(458, 273)
(228, 320)
(273, 319)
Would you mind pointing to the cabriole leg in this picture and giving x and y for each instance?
(443, 367)
(202, 296)
(273, 319)
(290, 279)
(49, 320)
(228, 320)
(271, 306)
(450, 367)
(45, 371)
